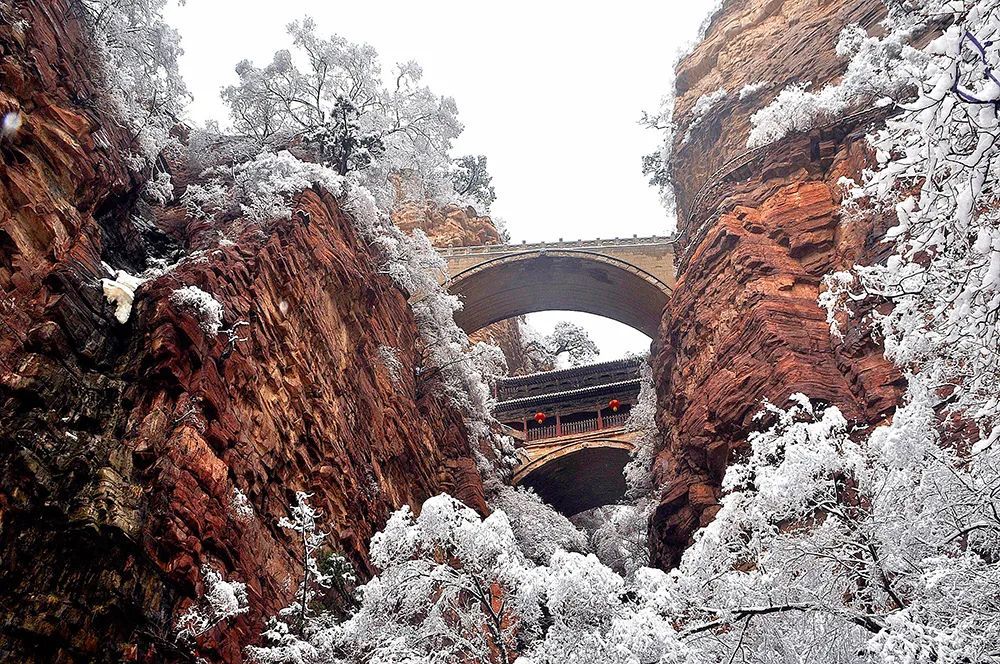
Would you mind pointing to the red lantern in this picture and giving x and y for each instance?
(614, 403)
(539, 417)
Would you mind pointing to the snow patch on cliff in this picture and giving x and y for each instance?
(120, 291)
(205, 308)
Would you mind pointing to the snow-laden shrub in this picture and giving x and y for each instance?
(160, 188)
(751, 89)
(540, 531)
(203, 306)
(222, 599)
(393, 365)
(240, 506)
(260, 188)
(656, 166)
(11, 123)
(880, 68)
(264, 185)
(704, 105)
(416, 267)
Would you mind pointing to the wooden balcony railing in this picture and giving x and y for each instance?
(571, 428)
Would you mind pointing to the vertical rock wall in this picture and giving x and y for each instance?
(757, 232)
(123, 446)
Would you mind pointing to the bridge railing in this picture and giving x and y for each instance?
(598, 242)
(573, 428)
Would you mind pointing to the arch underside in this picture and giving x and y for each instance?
(564, 280)
(581, 478)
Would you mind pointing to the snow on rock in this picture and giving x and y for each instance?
(120, 291)
(203, 305)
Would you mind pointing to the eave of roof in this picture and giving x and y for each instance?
(619, 386)
(555, 374)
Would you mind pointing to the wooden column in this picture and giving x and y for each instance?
(558, 426)
(600, 420)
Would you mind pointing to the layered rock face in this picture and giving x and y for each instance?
(757, 232)
(447, 226)
(125, 448)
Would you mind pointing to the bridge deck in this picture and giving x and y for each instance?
(597, 243)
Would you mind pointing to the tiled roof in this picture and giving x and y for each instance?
(619, 386)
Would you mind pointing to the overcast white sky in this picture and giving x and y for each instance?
(549, 91)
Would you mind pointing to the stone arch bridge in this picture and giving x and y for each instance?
(625, 279)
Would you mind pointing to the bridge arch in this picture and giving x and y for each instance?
(523, 282)
(578, 476)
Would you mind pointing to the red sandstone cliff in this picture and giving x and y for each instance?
(757, 232)
(121, 446)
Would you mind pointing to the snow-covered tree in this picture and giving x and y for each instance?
(656, 165)
(328, 96)
(574, 341)
(455, 588)
(452, 588)
(539, 529)
(618, 534)
(138, 53)
(596, 616)
(882, 550)
(303, 523)
(938, 170)
(473, 181)
(543, 353)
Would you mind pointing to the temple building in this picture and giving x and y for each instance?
(568, 427)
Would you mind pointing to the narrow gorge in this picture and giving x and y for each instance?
(176, 373)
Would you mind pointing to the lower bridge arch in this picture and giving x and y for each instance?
(576, 475)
